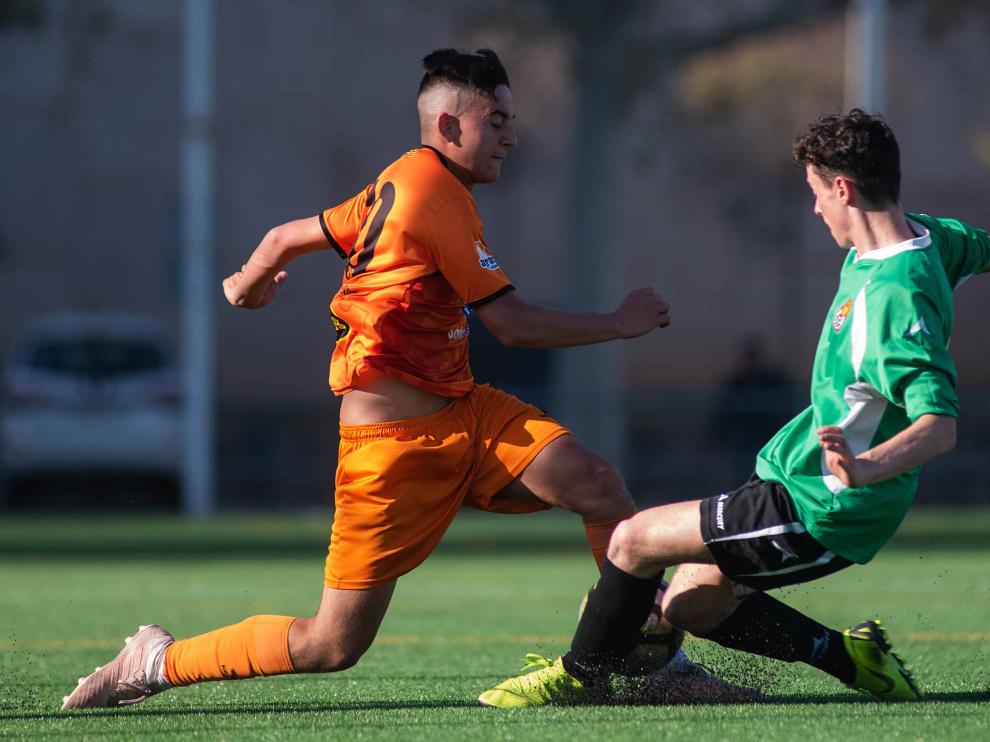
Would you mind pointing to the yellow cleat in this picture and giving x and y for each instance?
(551, 684)
(878, 670)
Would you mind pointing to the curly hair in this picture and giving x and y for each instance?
(856, 146)
(481, 70)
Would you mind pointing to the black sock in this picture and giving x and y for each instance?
(609, 629)
(765, 626)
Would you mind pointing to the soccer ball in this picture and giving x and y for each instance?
(657, 646)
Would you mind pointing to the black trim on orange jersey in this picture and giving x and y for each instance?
(440, 155)
(444, 161)
(367, 251)
(330, 239)
(492, 297)
(340, 326)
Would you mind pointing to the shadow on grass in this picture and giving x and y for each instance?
(279, 708)
(310, 708)
(849, 699)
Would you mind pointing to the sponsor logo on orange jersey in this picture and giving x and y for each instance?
(840, 316)
(458, 333)
(485, 259)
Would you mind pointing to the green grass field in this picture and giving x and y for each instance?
(498, 587)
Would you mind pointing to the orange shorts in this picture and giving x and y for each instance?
(400, 484)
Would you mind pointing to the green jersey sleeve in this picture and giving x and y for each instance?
(964, 249)
(912, 366)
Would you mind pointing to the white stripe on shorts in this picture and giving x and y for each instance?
(825, 558)
(794, 527)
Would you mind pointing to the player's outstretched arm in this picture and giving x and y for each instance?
(257, 282)
(518, 323)
(927, 437)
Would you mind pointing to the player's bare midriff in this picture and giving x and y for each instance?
(382, 399)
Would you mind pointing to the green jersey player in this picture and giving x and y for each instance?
(882, 365)
(833, 485)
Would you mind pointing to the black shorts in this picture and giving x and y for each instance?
(756, 539)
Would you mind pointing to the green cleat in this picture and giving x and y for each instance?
(878, 670)
(551, 684)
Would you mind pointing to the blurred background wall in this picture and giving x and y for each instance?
(654, 150)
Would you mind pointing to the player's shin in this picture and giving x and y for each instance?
(599, 532)
(257, 646)
(767, 627)
(609, 628)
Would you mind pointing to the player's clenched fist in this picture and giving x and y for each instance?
(641, 311)
(251, 288)
(839, 457)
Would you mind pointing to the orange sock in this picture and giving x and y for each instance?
(258, 645)
(599, 532)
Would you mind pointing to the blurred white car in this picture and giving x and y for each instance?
(91, 393)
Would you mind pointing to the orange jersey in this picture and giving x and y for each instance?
(416, 259)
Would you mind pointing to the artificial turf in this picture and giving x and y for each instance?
(498, 587)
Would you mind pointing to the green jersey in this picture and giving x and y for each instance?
(882, 361)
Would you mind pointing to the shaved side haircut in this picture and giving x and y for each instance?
(481, 71)
(453, 80)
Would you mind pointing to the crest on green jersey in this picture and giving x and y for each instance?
(840, 316)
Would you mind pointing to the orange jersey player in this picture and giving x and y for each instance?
(418, 439)
(416, 257)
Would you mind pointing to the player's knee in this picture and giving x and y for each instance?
(606, 476)
(597, 490)
(312, 651)
(335, 659)
(678, 611)
(688, 610)
(627, 546)
(340, 660)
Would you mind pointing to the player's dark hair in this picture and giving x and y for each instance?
(856, 146)
(480, 70)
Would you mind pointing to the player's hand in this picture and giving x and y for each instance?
(641, 311)
(839, 458)
(242, 291)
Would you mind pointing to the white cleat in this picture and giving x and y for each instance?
(133, 675)
(685, 682)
